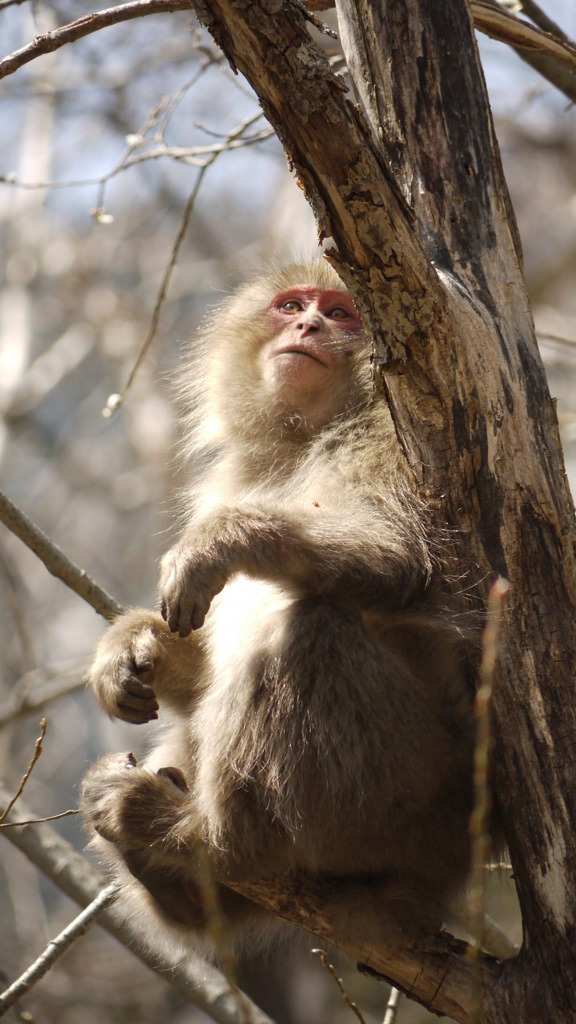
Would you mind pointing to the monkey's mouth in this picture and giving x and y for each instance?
(308, 351)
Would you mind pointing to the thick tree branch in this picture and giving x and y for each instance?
(433, 970)
(546, 49)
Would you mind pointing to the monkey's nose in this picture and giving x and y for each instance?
(306, 324)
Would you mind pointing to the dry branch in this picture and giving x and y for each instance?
(551, 53)
(199, 982)
(48, 42)
(547, 49)
(56, 948)
(56, 561)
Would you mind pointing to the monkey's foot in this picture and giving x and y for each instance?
(128, 805)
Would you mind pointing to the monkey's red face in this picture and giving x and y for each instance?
(313, 335)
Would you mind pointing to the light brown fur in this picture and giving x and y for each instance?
(322, 718)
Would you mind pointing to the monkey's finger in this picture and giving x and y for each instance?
(171, 614)
(178, 616)
(135, 716)
(136, 702)
(143, 691)
(127, 702)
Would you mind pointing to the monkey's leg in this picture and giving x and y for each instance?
(139, 662)
(138, 812)
(131, 806)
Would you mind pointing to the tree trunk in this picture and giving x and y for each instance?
(423, 233)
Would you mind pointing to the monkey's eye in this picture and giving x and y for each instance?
(339, 313)
(292, 306)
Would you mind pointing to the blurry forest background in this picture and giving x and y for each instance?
(102, 145)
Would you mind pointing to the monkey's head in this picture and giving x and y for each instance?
(288, 353)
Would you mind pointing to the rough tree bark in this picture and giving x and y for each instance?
(415, 202)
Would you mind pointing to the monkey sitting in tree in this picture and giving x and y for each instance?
(312, 671)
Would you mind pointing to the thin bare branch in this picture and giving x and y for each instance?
(193, 156)
(198, 981)
(115, 401)
(40, 687)
(37, 752)
(48, 42)
(479, 823)
(56, 948)
(392, 1006)
(345, 997)
(34, 821)
(56, 561)
(306, 10)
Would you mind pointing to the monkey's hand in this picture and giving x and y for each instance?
(123, 668)
(128, 805)
(189, 581)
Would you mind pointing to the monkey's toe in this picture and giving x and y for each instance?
(175, 776)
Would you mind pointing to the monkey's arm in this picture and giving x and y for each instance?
(373, 553)
(137, 661)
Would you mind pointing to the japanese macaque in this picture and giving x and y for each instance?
(306, 654)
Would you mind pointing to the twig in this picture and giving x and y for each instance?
(34, 821)
(56, 561)
(85, 26)
(192, 156)
(56, 948)
(299, 5)
(199, 982)
(37, 752)
(116, 400)
(345, 997)
(40, 687)
(392, 1006)
(479, 830)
